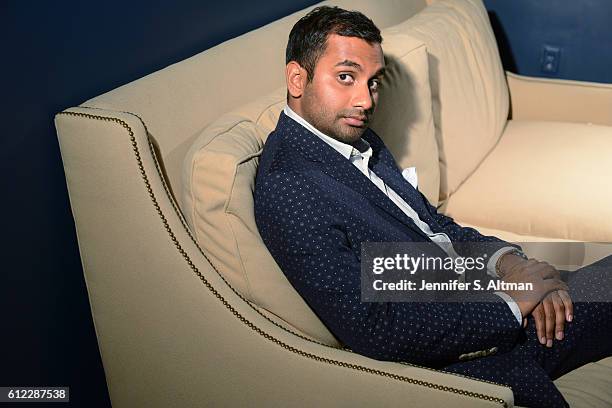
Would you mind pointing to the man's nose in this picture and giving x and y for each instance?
(363, 98)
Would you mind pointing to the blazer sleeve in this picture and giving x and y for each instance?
(307, 237)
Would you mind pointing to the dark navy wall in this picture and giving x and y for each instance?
(56, 55)
(580, 29)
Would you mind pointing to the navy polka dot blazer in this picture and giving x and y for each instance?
(314, 209)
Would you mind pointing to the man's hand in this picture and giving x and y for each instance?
(554, 310)
(543, 277)
(550, 316)
(507, 262)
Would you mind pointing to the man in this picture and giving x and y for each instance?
(326, 183)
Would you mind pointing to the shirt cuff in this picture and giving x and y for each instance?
(494, 258)
(512, 305)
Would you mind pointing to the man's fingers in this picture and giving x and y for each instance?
(549, 318)
(540, 324)
(559, 315)
(568, 304)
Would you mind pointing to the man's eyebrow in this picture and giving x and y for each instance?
(349, 63)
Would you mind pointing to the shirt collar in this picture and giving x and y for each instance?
(346, 150)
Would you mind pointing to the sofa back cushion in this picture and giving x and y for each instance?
(177, 102)
(218, 183)
(219, 178)
(403, 117)
(469, 91)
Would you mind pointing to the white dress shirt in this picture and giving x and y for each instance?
(360, 158)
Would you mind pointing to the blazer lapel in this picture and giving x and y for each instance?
(342, 170)
(387, 170)
(347, 174)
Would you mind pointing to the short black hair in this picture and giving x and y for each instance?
(308, 37)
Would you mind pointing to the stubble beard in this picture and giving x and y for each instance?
(330, 123)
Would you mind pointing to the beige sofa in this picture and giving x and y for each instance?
(189, 307)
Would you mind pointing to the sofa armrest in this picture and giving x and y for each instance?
(559, 100)
(172, 332)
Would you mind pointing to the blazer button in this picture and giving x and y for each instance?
(469, 356)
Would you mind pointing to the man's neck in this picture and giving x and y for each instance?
(344, 149)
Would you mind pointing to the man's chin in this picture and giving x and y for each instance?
(353, 137)
(350, 134)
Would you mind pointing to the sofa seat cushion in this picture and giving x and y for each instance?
(546, 179)
(588, 386)
(469, 92)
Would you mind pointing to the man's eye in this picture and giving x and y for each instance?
(375, 84)
(346, 78)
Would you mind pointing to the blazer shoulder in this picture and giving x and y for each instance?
(279, 156)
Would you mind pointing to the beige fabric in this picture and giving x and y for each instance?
(178, 102)
(219, 179)
(560, 100)
(403, 118)
(171, 332)
(564, 254)
(589, 386)
(505, 235)
(547, 179)
(470, 96)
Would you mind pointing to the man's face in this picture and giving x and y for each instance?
(342, 96)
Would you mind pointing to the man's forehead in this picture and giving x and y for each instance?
(353, 51)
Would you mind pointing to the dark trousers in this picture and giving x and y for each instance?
(530, 367)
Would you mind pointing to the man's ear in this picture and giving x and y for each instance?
(296, 79)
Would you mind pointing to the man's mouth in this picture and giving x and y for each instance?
(358, 121)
